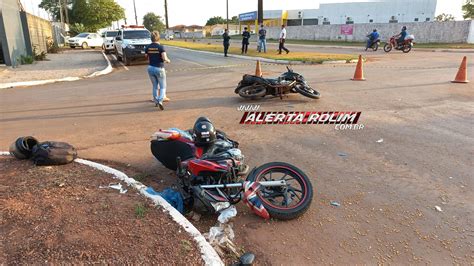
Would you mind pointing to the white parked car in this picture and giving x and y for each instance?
(86, 40)
(109, 38)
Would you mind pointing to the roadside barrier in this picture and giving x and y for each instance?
(359, 72)
(461, 76)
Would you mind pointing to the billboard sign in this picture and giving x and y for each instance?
(248, 16)
(347, 29)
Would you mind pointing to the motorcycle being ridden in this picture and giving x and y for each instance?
(211, 172)
(402, 41)
(373, 40)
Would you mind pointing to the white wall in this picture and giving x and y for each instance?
(379, 11)
(425, 32)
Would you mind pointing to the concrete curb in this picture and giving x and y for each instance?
(266, 60)
(208, 254)
(104, 71)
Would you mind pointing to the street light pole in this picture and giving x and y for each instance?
(227, 9)
(135, 9)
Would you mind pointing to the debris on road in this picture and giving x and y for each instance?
(221, 235)
(117, 186)
(335, 203)
(173, 197)
(379, 141)
(438, 208)
(342, 154)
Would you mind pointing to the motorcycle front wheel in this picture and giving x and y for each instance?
(307, 91)
(406, 48)
(252, 92)
(387, 47)
(284, 203)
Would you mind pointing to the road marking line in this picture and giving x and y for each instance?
(120, 62)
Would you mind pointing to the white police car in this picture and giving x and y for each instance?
(130, 43)
(109, 38)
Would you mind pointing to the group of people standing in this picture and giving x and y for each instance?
(262, 40)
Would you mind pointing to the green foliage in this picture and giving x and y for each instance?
(96, 14)
(140, 210)
(468, 9)
(52, 7)
(234, 20)
(444, 17)
(76, 28)
(26, 59)
(215, 20)
(153, 22)
(221, 20)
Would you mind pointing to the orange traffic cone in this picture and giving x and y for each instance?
(359, 73)
(258, 69)
(461, 77)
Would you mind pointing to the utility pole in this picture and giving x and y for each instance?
(166, 14)
(260, 12)
(135, 9)
(66, 11)
(227, 9)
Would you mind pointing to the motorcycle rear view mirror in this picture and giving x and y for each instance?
(289, 69)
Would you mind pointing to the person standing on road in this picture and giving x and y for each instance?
(156, 55)
(226, 38)
(282, 40)
(245, 40)
(262, 39)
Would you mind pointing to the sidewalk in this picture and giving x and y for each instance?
(67, 65)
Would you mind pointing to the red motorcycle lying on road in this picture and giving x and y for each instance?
(405, 46)
(210, 178)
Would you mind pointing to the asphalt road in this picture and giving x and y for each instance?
(387, 190)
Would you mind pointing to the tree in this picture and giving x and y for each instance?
(234, 20)
(468, 9)
(96, 14)
(52, 7)
(215, 20)
(153, 22)
(444, 17)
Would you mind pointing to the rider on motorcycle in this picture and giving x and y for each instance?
(401, 36)
(372, 38)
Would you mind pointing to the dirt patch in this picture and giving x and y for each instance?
(59, 214)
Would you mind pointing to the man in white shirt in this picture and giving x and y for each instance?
(282, 40)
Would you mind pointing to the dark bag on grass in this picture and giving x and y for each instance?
(53, 153)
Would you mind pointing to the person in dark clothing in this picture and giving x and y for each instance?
(245, 40)
(156, 55)
(226, 38)
(401, 36)
(262, 41)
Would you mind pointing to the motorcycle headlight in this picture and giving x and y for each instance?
(129, 46)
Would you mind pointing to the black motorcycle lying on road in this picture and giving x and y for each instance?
(253, 87)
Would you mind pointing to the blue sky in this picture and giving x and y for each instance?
(198, 11)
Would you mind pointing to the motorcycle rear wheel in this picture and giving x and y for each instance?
(375, 47)
(387, 47)
(252, 92)
(307, 91)
(406, 48)
(297, 197)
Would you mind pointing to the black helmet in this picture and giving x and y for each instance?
(404, 28)
(204, 132)
(375, 30)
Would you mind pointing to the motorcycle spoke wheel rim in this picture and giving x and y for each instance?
(280, 197)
